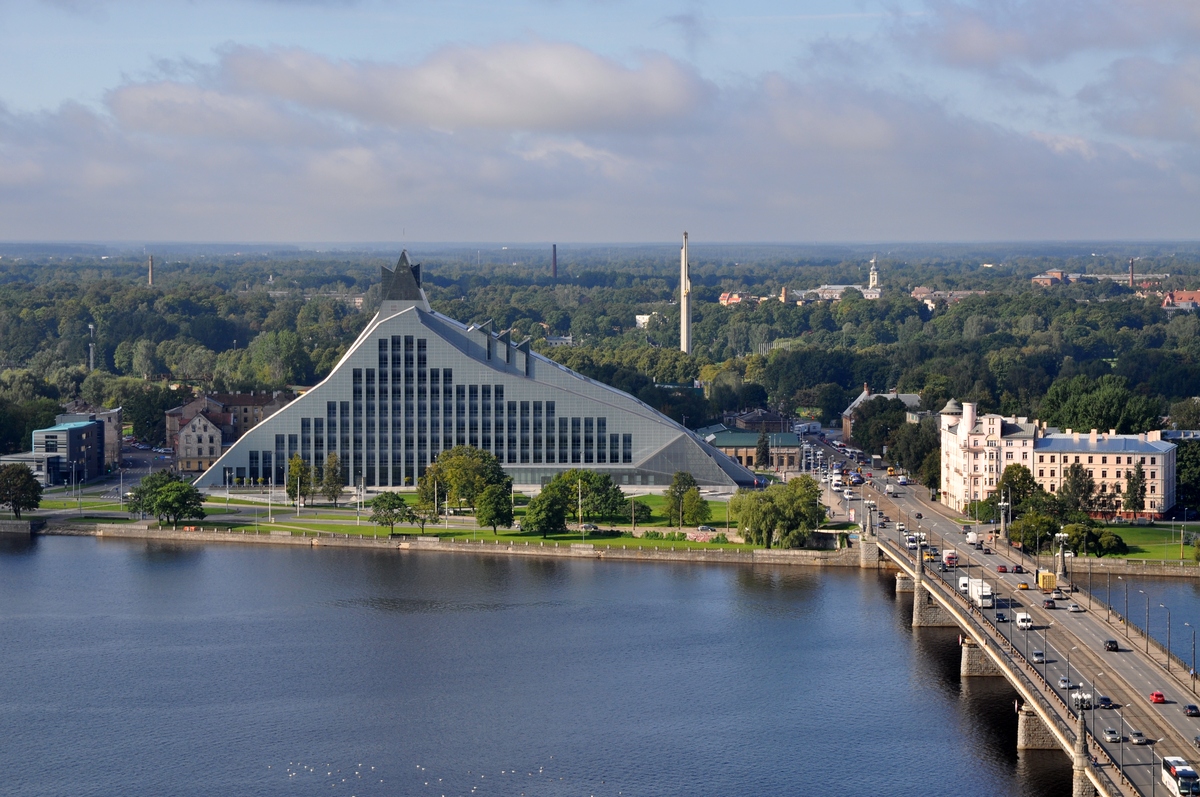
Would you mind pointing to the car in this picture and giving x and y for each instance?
(590, 527)
(1074, 608)
(1137, 737)
(1191, 710)
(1058, 595)
(1018, 569)
(979, 546)
(705, 528)
(1063, 683)
(1048, 603)
(1039, 657)
(918, 515)
(1001, 617)
(1157, 697)
(1111, 735)
(987, 551)
(1022, 585)
(1111, 645)
(1001, 569)
(1104, 701)
(899, 527)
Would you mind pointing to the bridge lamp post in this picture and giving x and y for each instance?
(1125, 616)
(1161, 606)
(1147, 629)
(1069, 673)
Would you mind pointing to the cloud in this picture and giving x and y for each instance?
(1148, 98)
(985, 35)
(538, 86)
(288, 146)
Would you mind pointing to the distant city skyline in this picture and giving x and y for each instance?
(590, 121)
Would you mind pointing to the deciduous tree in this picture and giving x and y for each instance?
(332, 479)
(494, 507)
(388, 509)
(19, 488)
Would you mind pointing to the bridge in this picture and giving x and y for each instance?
(1061, 655)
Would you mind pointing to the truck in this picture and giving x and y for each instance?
(964, 585)
(903, 480)
(980, 593)
(1024, 621)
(972, 538)
(1047, 581)
(890, 489)
(950, 557)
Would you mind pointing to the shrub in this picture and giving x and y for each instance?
(652, 535)
(721, 538)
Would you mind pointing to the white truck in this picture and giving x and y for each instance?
(1024, 621)
(890, 489)
(964, 585)
(972, 538)
(980, 593)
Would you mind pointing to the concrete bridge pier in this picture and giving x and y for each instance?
(904, 582)
(927, 611)
(868, 551)
(1032, 733)
(975, 661)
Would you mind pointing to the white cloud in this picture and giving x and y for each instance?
(536, 85)
(1148, 98)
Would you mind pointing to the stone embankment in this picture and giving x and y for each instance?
(845, 557)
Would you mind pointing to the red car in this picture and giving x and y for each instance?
(1001, 569)
(1157, 697)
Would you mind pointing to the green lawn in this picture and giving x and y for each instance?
(1151, 542)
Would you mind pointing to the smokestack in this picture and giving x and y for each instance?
(685, 301)
(151, 271)
(1131, 272)
(554, 261)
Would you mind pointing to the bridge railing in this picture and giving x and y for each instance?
(1037, 689)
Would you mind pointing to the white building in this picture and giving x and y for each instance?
(977, 448)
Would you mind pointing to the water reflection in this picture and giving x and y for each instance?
(18, 544)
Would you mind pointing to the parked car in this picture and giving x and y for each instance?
(705, 528)
(1048, 603)
(1039, 657)
(1192, 710)
(1111, 645)
(590, 527)
(1157, 697)
(1111, 735)
(1001, 569)
(1137, 737)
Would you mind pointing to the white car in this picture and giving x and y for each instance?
(1039, 657)
(1112, 735)
(1075, 607)
(1137, 737)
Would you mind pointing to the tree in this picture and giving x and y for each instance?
(144, 496)
(1135, 490)
(546, 513)
(787, 513)
(1077, 489)
(876, 420)
(1033, 531)
(494, 507)
(637, 511)
(1016, 485)
(1081, 538)
(19, 489)
(177, 501)
(1081, 402)
(1187, 472)
(673, 495)
(1111, 544)
(762, 450)
(695, 509)
(299, 479)
(1186, 414)
(388, 509)
(462, 474)
(930, 473)
(332, 479)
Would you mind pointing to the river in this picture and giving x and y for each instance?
(135, 668)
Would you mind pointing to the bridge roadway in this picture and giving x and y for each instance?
(1073, 646)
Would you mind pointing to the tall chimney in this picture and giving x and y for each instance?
(554, 261)
(685, 301)
(151, 272)
(1131, 272)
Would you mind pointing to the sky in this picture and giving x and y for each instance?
(806, 121)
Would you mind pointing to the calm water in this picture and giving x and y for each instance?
(150, 669)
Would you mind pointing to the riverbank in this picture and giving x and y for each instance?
(615, 550)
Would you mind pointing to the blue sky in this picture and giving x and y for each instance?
(598, 120)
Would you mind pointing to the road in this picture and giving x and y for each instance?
(1073, 644)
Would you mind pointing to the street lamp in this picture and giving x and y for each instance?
(1189, 625)
(1147, 629)
(1161, 606)
(1125, 616)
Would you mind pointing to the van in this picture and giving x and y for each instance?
(1024, 621)
(963, 582)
